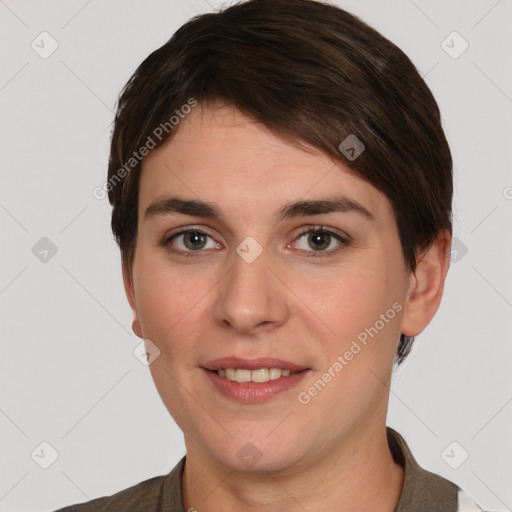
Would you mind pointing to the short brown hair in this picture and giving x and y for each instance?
(310, 72)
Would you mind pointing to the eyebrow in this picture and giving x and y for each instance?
(198, 208)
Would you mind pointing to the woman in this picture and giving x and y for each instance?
(281, 189)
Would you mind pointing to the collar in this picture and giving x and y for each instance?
(422, 490)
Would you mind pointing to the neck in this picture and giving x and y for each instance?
(358, 473)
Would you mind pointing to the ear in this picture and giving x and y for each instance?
(130, 294)
(426, 285)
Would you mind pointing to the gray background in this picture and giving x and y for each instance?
(68, 373)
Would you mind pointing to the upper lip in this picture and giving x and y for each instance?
(252, 364)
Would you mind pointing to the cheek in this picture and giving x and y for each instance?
(168, 299)
(361, 304)
(351, 298)
(169, 306)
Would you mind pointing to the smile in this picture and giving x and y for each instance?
(259, 375)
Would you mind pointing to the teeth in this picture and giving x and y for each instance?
(260, 375)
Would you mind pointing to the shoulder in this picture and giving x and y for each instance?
(422, 489)
(146, 495)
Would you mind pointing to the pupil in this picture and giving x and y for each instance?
(318, 237)
(195, 239)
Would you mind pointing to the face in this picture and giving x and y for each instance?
(316, 290)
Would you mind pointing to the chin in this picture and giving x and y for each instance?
(252, 454)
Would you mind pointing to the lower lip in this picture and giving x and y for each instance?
(254, 392)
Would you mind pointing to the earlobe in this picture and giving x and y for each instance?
(426, 285)
(130, 295)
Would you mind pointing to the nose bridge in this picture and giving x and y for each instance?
(250, 296)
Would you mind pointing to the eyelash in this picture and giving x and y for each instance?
(309, 254)
(323, 254)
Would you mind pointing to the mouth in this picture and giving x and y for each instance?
(258, 375)
(254, 380)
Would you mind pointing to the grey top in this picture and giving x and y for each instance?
(422, 490)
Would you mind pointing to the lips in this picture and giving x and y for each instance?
(224, 363)
(254, 392)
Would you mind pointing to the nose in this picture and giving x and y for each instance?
(252, 298)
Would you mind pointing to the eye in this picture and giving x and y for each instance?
(188, 241)
(320, 239)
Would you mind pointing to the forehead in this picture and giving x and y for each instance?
(220, 155)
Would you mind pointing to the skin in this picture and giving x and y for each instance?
(332, 453)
